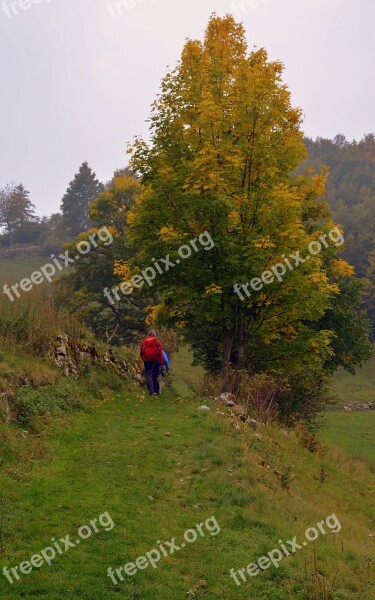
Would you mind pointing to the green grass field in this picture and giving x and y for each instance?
(353, 430)
(183, 373)
(13, 270)
(356, 388)
(159, 468)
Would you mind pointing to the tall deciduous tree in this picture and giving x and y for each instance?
(224, 141)
(75, 204)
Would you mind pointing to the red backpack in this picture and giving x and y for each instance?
(150, 349)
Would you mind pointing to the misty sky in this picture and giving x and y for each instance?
(77, 83)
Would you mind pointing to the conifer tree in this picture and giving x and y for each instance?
(16, 209)
(75, 204)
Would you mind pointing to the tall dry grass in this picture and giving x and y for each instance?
(30, 322)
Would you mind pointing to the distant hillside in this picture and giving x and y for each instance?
(350, 191)
(14, 269)
(20, 251)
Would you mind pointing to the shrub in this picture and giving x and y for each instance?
(207, 385)
(300, 396)
(29, 403)
(259, 394)
(52, 244)
(305, 397)
(306, 438)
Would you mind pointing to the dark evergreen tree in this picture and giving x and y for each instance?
(16, 209)
(75, 204)
(115, 322)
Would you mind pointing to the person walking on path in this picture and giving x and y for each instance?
(153, 358)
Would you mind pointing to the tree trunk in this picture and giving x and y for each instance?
(227, 351)
(240, 355)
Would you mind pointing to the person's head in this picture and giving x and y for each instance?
(152, 333)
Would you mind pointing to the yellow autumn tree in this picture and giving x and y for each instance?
(225, 139)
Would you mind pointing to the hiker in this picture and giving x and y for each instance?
(153, 358)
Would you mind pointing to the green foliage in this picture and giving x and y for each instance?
(369, 294)
(350, 190)
(52, 245)
(206, 342)
(16, 209)
(305, 397)
(83, 289)
(75, 204)
(350, 345)
(46, 233)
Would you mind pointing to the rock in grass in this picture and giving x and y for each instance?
(227, 398)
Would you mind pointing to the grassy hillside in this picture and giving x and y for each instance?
(12, 270)
(159, 468)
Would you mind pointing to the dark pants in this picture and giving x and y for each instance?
(152, 370)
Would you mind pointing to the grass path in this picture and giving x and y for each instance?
(159, 468)
(140, 462)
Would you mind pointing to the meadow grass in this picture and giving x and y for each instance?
(353, 430)
(12, 270)
(183, 372)
(159, 467)
(356, 388)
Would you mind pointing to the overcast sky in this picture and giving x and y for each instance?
(77, 83)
